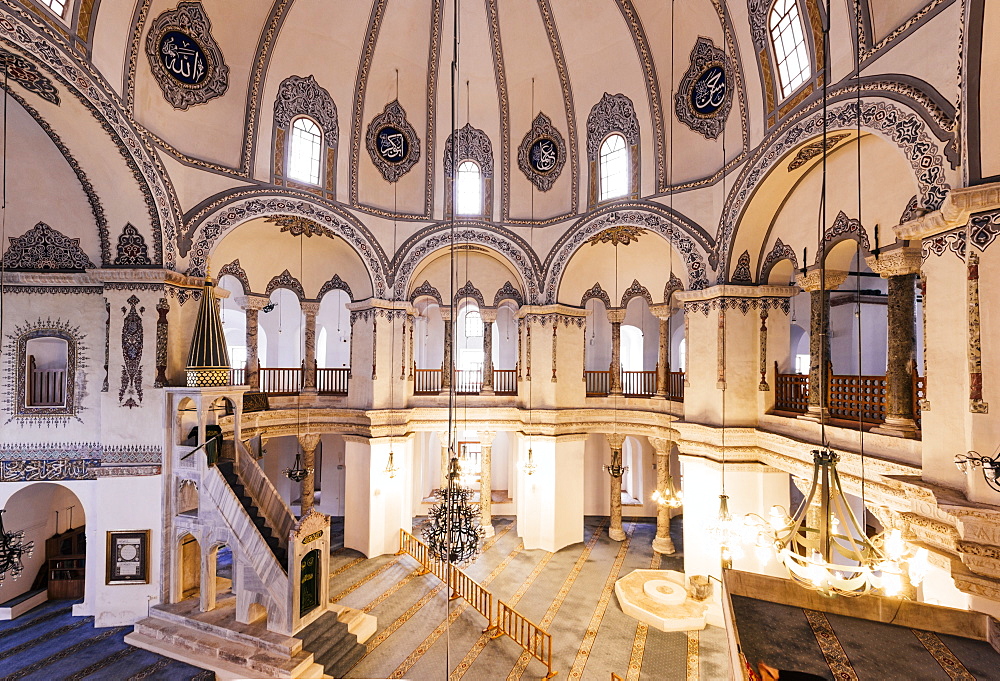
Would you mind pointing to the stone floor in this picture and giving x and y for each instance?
(569, 593)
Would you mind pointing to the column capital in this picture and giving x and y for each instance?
(895, 262)
(445, 311)
(308, 441)
(812, 279)
(662, 311)
(489, 314)
(662, 445)
(616, 315)
(616, 440)
(252, 302)
(310, 308)
(486, 437)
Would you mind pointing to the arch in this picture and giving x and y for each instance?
(901, 123)
(673, 285)
(612, 114)
(843, 228)
(20, 30)
(508, 292)
(188, 567)
(672, 227)
(286, 280)
(597, 292)
(220, 215)
(636, 290)
(333, 284)
(779, 252)
(499, 239)
(234, 270)
(469, 291)
(305, 151)
(425, 289)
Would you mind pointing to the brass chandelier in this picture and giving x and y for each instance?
(12, 549)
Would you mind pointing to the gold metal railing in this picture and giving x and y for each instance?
(525, 633)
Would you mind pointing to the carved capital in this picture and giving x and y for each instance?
(662, 445)
(445, 311)
(812, 280)
(895, 262)
(309, 308)
(616, 440)
(252, 302)
(616, 315)
(486, 437)
(308, 441)
(489, 314)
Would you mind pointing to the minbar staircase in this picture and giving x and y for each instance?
(228, 470)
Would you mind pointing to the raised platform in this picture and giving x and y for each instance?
(19, 605)
(660, 599)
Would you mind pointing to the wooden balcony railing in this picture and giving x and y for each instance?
(332, 381)
(598, 383)
(47, 388)
(791, 392)
(426, 381)
(280, 380)
(638, 383)
(237, 377)
(468, 381)
(675, 386)
(505, 381)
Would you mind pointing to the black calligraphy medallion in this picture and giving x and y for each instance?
(709, 92)
(544, 155)
(183, 58)
(391, 144)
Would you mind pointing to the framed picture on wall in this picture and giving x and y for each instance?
(128, 557)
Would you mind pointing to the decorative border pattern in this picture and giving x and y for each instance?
(508, 292)
(393, 115)
(780, 251)
(131, 250)
(287, 281)
(425, 289)
(673, 285)
(951, 665)
(42, 290)
(16, 367)
(37, 470)
(541, 128)
(11, 451)
(130, 393)
(636, 290)
(975, 351)
(469, 291)
(814, 149)
(844, 228)
(830, 646)
(27, 75)
(43, 248)
(596, 291)
(131, 454)
(704, 56)
(744, 305)
(235, 270)
(361, 90)
(190, 19)
(334, 283)
(741, 275)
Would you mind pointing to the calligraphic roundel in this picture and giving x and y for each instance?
(392, 142)
(704, 96)
(184, 57)
(542, 153)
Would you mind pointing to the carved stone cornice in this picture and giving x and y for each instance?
(252, 302)
(812, 279)
(958, 205)
(895, 262)
(616, 315)
(488, 314)
(309, 308)
(736, 291)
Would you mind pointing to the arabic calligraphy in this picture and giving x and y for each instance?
(544, 155)
(183, 58)
(392, 145)
(31, 470)
(709, 92)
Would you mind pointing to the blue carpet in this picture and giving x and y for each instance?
(49, 643)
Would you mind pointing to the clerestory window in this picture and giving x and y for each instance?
(789, 44)
(614, 168)
(469, 189)
(304, 155)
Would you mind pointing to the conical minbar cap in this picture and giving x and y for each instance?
(208, 345)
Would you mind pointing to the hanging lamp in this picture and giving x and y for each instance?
(13, 549)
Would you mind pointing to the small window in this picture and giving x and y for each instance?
(304, 155)
(614, 168)
(45, 372)
(469, 189)
(788, 41)
(57, 6)
(473, 324)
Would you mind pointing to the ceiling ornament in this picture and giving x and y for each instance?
(296, 225)
(620, 235)
(45, 248)
(132, 250)
(185, 59)
(704, 95)
(614, 113)
(542, 153)
(303, 96)
(473, 144)
(757, 15)
(26, 74)
(742, 275)
(392, 142)
(814, 149)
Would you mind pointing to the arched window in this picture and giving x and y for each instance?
(614, 168)
(47, 358)
(788, 41)
(473, 323)
(304, 153)
(469, 189)
(57, 6)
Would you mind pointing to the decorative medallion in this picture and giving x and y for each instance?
(704, 95)
(26, 74)
(392, 142)
(622, 234)
(43, 248)
(296, 225)
(542, 153)
(185, 59)
(132, 250)
(130, 393)
(814, 149)
(742, 275)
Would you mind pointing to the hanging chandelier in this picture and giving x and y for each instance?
(669, 497)
(12, 549)
(529, 466)
(390, 468)
(836, 557)
(727, 533)
(989, 465)
(453, 534)
(297, 473)
(615, 469)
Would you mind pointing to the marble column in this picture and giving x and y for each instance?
(900, 267)
(489, 316)
(310, 311)
(615, 531)
(445, 459)
(309, 442)
(662, 312)
(486, 482)
(662, 544)
(616, 316)
(252, 305)
(446, 363)
(819, 336)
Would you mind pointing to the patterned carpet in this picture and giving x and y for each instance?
(569, 593)
(49, 643)
(838, 647)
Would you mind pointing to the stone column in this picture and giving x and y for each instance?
(309, 362)
(445, 459)
(446, 363)
(616, 316)
(615, 531)
(900, 267)
(662, 313)
(489, 316)
(486, 482)
(662, 544)
(819, 336)
(252, 305)
(309, 442)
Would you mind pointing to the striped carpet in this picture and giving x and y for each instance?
(49, 643)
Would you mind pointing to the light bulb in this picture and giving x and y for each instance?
(894, 545)
(918, 566)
